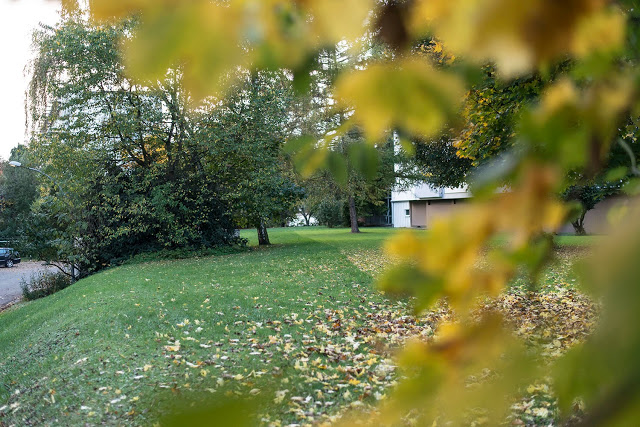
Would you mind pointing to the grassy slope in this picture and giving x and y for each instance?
(104, 350)
(102, 331)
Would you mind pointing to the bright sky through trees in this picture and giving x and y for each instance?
(17, 21)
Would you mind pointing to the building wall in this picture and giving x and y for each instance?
(425, 212)
(439, 208)
(424, 204)
(596, 221)
(456, 193)
(424, 192)
(400, 219)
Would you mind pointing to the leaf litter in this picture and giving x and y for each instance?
(313, 365)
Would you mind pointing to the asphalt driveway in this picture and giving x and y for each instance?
(10, 279)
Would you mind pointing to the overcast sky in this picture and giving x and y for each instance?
(17, 21)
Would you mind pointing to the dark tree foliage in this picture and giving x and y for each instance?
(492, 109)
(330, 213)
(244, 134)
(130, 155)
(18, 190)
(439, 162)
(127, 213)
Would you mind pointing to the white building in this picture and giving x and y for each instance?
(421, 204)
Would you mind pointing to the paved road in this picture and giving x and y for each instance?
(10, 280)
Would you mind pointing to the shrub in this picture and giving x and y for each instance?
(43, 284)
(330, 213)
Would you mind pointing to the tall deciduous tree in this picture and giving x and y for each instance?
(127, 153)
(18, 190)
(361, 175)
(244, 134)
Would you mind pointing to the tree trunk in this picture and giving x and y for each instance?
(263, 236)
(578, 224)
(307, 217)
(353, 215)
(578, 227)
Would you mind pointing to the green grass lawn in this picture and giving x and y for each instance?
(299, 325)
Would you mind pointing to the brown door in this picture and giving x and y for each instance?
(438, 208)
(419, 214)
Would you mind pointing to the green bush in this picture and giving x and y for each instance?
(43, 284)
(330, 213)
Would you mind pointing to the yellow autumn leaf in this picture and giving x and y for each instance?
(558, 96)
(517, 36)
(601, 32)
(410, 94)
(108, 9)
(336, 20)
(404, 244)
(201, 37)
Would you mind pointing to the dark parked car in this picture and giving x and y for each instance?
(9, 257)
